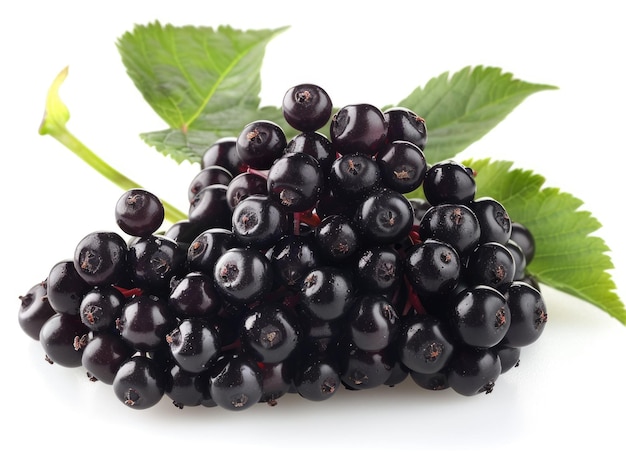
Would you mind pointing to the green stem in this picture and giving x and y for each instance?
(70, 141)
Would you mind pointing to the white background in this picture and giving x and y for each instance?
(566, 400)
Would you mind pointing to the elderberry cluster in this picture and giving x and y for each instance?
(302, 268)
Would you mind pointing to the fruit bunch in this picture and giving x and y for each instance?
(302, 268)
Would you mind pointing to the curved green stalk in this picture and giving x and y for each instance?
(54, 124)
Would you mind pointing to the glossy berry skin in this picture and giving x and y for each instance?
(432, 267)
(153, 261)
(528, 314)
(316, 145)
(519, 257)
(34, 310)
(270, 333)
(358, 128)
(295, 182)
(258, 221)
(378, 270)
(236, 383)
(307, 107)
(211, 175)
(336, 238)
(474, 371)
(494, 220)
(260, 143)
(244, 185)
(525, 239)
(139, 212)
(223, 153)
(103, 355)
(385, 217)
(372, 323)
(490, 264)
(480, 316)
(144, 323)
(354, 175)
(207, 247)
(183, 232)
(404, 124)
(100, 258)
(292, 257)
(424, 345)
(326, 292)
(185, 389)
(509, 356)
(402, 166)
(277, 380)
(362, 369)
(194, 296)
(100, 307)
(193, 344)
(455, 224)
(63, 337)
(317, 378)
(431, 381)
(65, 288)
(209, 207)
(449, 182)
(243, 275)
(139, 383)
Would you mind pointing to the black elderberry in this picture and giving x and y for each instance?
(243, 275)
(402, 166)
(244, 185)
(385, 217)
(404, 124)
(214, 174)
(139, 383)
(432, 267)
(63, 337)
(236, 383)
(358, 128)
(270, 332)
(100, 258)
(258, 221)
(528, 314)
(474, 371)
(295, 182)
(103, 356)
(423, 345)
(260, 143)
(139, 212)
(449, 182)
(336, 238)
(454, 224)
(34, 310)
(480, 316)
(494, 220)
(307, 107)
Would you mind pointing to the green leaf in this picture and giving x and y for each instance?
(462, 108)
(191, 145)
(568, 257)
(203, 82)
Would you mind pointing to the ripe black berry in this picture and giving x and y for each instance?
(307, 107)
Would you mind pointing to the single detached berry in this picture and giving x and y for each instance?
(139, 212)
(307, 107)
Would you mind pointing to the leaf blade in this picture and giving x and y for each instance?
(568, 256)
(461, 108)
(197, 78)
